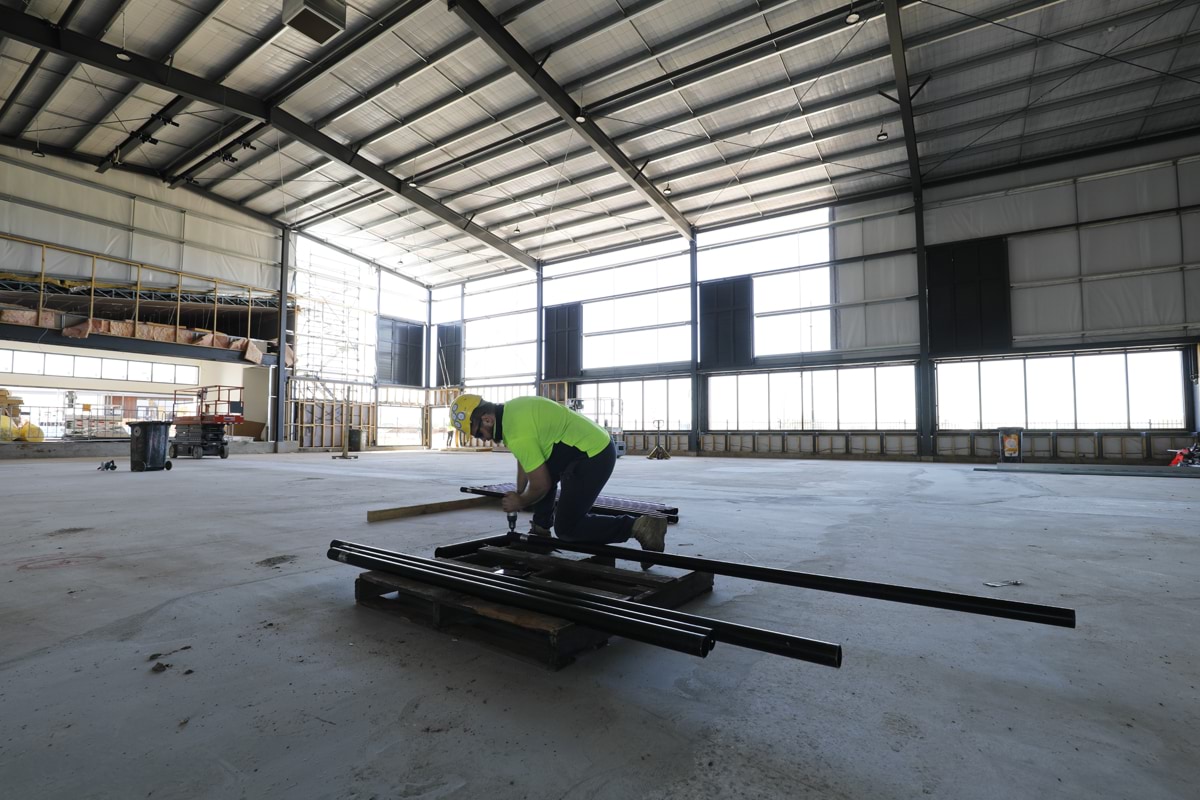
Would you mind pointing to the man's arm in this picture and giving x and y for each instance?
(522, 479)
(539, 485)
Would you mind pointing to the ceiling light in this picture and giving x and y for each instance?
(516, 230)
(123, 56)
(37, 151)
(853, 16)
(581, 117)
(882, 136)
(667, 189)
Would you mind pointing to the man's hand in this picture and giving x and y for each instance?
(511, 502)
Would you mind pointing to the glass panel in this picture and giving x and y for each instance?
(143, 371)
(787, 401)
(1002, 394)
(958, 396)
(777, 335)
(164, 373)
(679, 403)
(856, 399)
(814, 287)
(1156, 390)
(1050, 393)
(896, 398)
(87, 367)
(824, 400)
(514, 359)
(516, 298)
(6, 360)
(777, 292)
(764, 227)
(187, 375)
(115, 369)
(753, 411)
(501, 330)
(632, 417)
(654, 405)
(60, 365)
(446, 311)
(28, 363)
(1100, 391)
(722, 403)
(674, 344)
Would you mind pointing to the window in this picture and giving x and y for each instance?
(114, 369)
(29, 363)
(1050, 393)
(1152, 401)
(1100, 399)
(1002, 394)
(958, 395)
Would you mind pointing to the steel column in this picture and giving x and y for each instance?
(924, 376)
(278, 429)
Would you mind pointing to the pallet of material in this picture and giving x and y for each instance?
(605, 504)
(540, 638)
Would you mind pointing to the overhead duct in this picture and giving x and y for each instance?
(319, 20)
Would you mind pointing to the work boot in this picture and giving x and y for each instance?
(538, 530)
(651, 534)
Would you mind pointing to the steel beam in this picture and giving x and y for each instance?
(970, 604)
(674, 636)
(278, 424)
(34, 32)
(811, 650)
(519, 60)
(35, 64)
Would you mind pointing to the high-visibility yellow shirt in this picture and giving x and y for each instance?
(533, 425)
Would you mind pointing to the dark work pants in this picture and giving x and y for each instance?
(582, 479)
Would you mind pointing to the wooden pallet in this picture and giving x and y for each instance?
(549, 641)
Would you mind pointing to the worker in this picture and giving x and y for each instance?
(556, 446)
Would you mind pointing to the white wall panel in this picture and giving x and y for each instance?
(993, 216)
(1043, 256)
(1191, 237)
(849, 281)
(157, 252)
(156, 219)
(1047, 310)
(851, 328)
(890, 277)
(1127, 193)
(1191, 296)
(1137, 301)
(1137, 244)
(893, 232)
(893, 324)
(1189, 182)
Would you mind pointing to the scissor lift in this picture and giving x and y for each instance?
(202, 416)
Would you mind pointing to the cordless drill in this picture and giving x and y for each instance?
(512, 522)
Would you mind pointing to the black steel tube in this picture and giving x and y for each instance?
(645, 613)
(970, 604)
(662, 635)
(812, 650)
(469, 546)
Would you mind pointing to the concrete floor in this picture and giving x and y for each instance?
(287, 687)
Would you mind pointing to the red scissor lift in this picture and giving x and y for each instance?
(202, 417)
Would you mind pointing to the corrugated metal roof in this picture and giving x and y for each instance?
(744, 108)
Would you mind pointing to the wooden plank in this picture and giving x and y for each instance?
(399, 512)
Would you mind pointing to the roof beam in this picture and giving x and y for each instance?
(68, 44)
(35, 64)
(518, 59)
(345, 49)
(903, 94)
